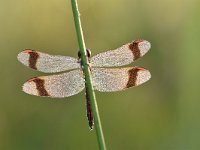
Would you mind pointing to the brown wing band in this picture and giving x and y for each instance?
(40, 87)
(135, 49)
(33, 59)
(132, 77)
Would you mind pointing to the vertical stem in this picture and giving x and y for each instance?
(84, 59)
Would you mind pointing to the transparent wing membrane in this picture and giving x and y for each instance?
(123, 55)
(56, 86)
(117, 79)
(47, 63)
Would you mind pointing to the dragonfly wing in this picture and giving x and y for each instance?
(117, 79)
(56, 86)
(123, 55)
(47, 63)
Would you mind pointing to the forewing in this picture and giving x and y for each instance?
(123, 55)
(47, 63)
(117, 79)
(56, 86)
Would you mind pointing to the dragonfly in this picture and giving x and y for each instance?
(105, 78)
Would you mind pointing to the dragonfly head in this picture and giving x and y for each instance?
(88, 51)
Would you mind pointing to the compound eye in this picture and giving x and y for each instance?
(88, 53)
(79, 54)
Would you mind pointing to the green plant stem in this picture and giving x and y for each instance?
(88, 79)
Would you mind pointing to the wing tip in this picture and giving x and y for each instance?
(30, 88)
(138, 76)
(139, 48)
(23, 57)
(143, 75)
(35, 86)
(144, 46)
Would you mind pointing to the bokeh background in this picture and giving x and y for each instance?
(162, 114)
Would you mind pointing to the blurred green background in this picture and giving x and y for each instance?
(162, 114)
